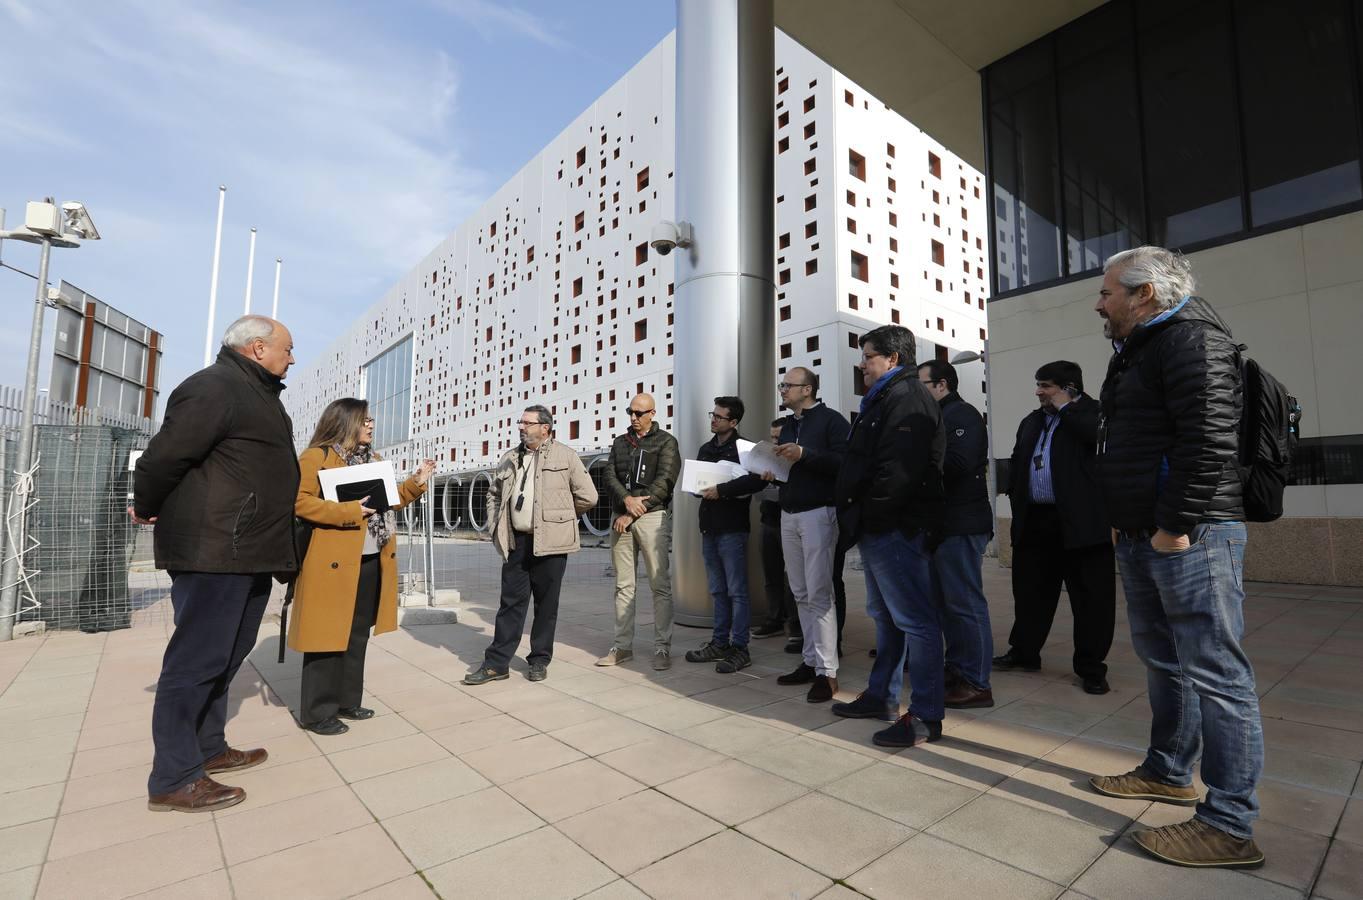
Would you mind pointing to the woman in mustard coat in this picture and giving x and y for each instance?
(349, 579)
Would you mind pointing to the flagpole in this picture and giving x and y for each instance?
(250, 271)
(213, 289)
(274, 310)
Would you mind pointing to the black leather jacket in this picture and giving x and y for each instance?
(1171, 414)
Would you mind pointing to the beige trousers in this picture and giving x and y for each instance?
(647, 537)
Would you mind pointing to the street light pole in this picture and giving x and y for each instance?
(9, 576)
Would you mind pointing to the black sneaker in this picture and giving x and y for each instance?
(538, 672)
(803, 674)
(769, 629)
(738, 658)
(866, 707)
(795, 645)
(708, 652)
(903, 734)
(484, 675)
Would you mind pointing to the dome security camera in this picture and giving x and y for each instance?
(666, 235)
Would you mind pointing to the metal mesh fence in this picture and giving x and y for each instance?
(82, 539)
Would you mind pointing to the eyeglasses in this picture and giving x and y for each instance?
(528, 424)
(787, 385)
(867, 357)
(638, 413)
(368, 421)
(722, 418)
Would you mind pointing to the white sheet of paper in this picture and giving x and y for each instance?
(762, 458)
(383, 469)
(697, 476)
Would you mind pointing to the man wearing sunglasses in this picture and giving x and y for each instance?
(537, 493)
(640, 475)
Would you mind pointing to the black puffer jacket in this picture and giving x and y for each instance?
(221, 475)
(661, 461)
(1171, 416)
(891, 476)
(964, 467)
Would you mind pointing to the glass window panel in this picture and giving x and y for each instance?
(1024, 160)
(1099, 137)
(1300, 105)
(1191, 129)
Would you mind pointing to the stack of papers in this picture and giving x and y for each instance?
(756, 459)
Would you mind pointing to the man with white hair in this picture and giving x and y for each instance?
(1169, 472)
(219, 482)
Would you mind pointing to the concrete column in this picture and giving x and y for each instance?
(725, 309)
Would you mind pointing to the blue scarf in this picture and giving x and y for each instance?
(875, 388)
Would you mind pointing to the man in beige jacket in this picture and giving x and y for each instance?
(539, 490)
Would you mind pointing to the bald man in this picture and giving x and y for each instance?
(219, 482)
(643, 469)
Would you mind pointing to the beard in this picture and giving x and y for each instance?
(1107, 330)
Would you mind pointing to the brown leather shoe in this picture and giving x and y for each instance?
(1197, 844)
(1140, 784)
(231, 760)
(204, 795)
(966, 696)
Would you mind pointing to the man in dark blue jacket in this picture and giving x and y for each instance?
(889, 492)
(724, 544)
(814, 439)
(967, 525)
(1060, 531)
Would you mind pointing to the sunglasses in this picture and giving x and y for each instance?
(638, 413)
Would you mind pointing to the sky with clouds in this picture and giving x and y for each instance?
(354, 136)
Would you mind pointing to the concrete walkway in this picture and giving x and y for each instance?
(615, 783)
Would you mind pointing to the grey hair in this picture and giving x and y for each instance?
(1168, 272)
(543, 414)
(247, 329)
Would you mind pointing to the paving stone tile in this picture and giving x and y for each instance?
(507, 762)
(29, 804)
(571, 789)
(433, 834)
(1049, 846)
(827, 834)
(412, 788)
(942, 870)
(902, 794)
(660, 759)
(540, 865)
(729, 864)
(489, 732)
(269, 829)
(1342, 876)
(324, 868)
(732, 791)
(121, 870)
(638, 830)
(1126, 873)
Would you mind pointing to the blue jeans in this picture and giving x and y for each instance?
(958, 586)
(899, 600)
(726, 569)
(1186, 615)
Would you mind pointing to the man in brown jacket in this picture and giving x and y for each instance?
(536, 496)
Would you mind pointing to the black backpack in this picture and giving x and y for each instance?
(1269, 429)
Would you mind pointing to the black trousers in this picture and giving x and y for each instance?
(1040, 566)
(780, 601)
(335, 680)
(217, 617)
(525, 575)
